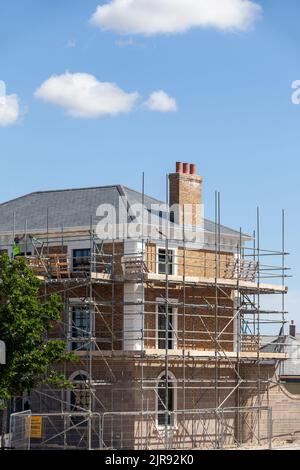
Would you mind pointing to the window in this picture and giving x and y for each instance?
(164, 324)
(165, 262)
(19, 404)
(81, 327)
(165, 401)
(82, 260)
(79, 398)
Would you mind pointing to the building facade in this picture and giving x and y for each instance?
(163, 309)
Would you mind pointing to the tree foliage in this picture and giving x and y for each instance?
(25, 321)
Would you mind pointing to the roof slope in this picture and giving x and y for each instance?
(285, 344)
(72, 208)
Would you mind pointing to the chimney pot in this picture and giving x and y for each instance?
(178, 167)
(193, 169)
(186, 168)
(293, 329)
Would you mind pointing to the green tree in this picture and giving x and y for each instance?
(25, 320)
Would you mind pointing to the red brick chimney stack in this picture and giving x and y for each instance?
(185, 187)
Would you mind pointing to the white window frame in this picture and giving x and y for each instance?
(73, 302)
(76, 245)
(175, 259)
(174, 323)
(171, 378)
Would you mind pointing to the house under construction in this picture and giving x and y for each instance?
(165, 310)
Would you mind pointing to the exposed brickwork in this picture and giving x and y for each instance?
(121, 389)
(123, 393)
(186, 189)
(195, 325)
(285, 407)
(188, 262)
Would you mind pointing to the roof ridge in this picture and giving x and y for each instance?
(58, 191)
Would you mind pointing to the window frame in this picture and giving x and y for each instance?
(72, 378)
(174, 323)
(73, 303)
(76, 269)
(174, 263)
(173, 381)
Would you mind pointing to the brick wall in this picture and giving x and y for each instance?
(123, 393)
(186, 189)
(285, 407)
(199, 263)
(196, 325)
(108, 310)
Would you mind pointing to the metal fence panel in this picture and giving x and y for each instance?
(20, 425)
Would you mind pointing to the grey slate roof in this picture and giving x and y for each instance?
(71, 208)
(286, 344)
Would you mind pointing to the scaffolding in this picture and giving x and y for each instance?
(177, 366)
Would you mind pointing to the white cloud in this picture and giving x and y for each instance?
(160, 101)
(9, 107)
(83, 96)
(150, 17)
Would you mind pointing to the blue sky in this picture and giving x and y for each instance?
(235, 118)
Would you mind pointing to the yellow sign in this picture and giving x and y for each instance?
(36, 426)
